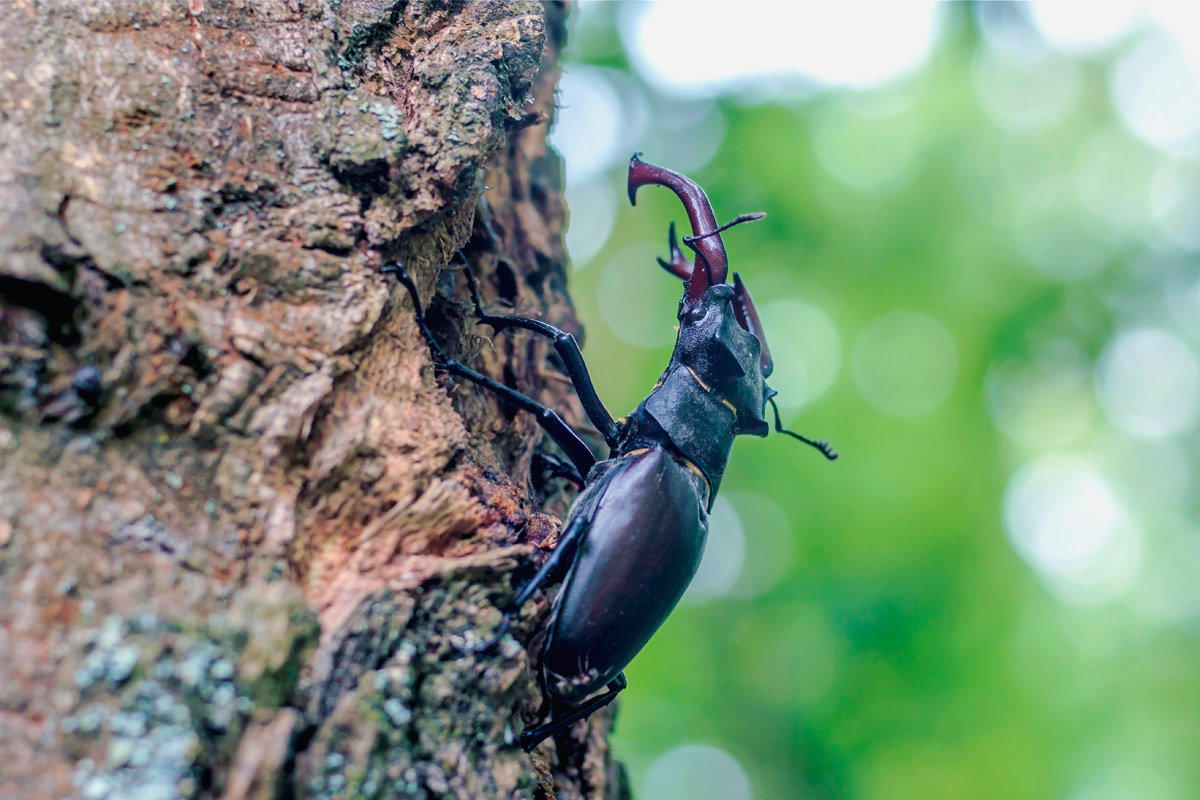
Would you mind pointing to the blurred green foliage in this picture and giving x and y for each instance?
(891, 635)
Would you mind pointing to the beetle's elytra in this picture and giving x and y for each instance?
(633, 538)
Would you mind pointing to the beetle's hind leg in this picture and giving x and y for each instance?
(562, 433)
(533, 737)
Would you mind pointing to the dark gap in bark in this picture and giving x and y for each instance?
(368, 179)
(506, 282)
(56, 307)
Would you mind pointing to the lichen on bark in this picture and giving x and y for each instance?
(248, 536)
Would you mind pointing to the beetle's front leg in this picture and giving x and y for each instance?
(563, 435)
(568, 351)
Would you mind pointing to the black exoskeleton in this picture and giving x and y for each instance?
(633, 539)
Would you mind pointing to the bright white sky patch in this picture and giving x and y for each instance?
(701, 47)
(1078, 26)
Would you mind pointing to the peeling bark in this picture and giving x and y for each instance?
(248, 536)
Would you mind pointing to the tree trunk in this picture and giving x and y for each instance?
(248, 536)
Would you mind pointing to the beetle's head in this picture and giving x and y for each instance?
(713, 315)
(720, 337)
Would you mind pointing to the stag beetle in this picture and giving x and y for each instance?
(633, 538)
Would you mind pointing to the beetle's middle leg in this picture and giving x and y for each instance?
(531, 738)
(563, 435)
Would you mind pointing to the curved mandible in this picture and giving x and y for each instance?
(747, 317)
(679, 265)
(705, 240)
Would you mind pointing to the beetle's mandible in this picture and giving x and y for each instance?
(634, 536)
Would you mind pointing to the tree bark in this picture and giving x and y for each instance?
(248, 535)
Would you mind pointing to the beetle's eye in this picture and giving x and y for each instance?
(695, 315)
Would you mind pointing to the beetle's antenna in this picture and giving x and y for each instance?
(822, 445)
(737, 221)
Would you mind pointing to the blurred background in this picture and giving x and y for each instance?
(979, 276)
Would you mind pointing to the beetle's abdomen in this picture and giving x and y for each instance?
(642, 548)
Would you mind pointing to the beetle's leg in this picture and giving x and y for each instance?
(531, 738)
(566, 438)
(568, 351)
(822, 445)
(553, 466)
(559, 559)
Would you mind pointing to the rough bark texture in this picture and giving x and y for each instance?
(248, 537)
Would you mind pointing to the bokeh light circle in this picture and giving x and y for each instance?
(632, 295)
(1170, 591)
(870, 154)
(1024, 94)
(806, 349)
(1058, 238)
(1043, 403)
(1148, 382)
(724, 555)
(1175, 203)
(694, 771)
(769, 549)
(905, 363)
(1156, 88)
(600, 120)
(1064, 518)
(592, 206)
(1113, 176)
